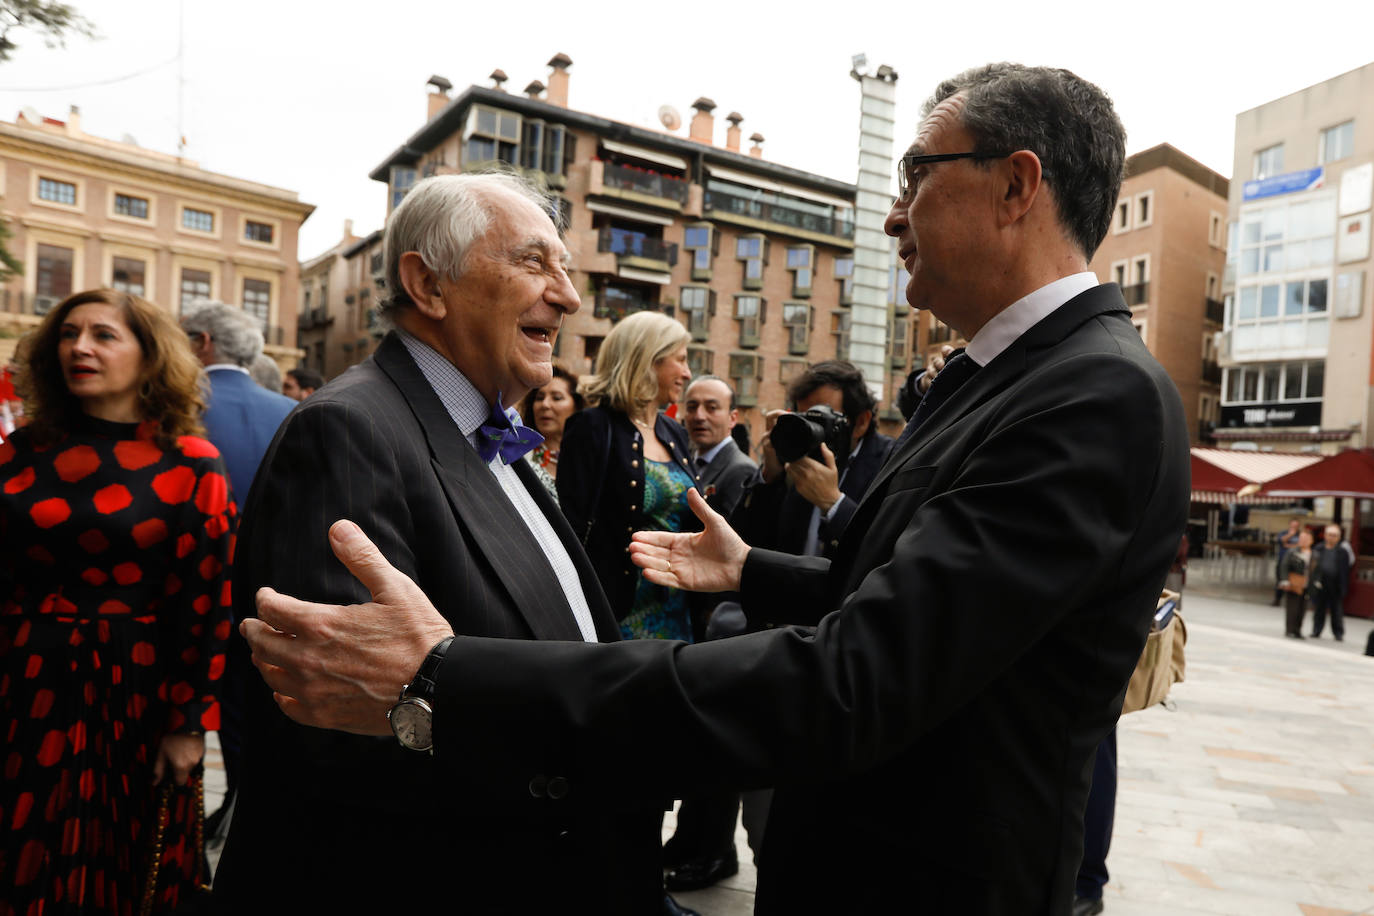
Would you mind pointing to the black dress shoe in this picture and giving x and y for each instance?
(699, 873)
(672, 908)
(1087, 906)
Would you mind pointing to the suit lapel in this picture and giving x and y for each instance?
(480, 507)
(607, 630)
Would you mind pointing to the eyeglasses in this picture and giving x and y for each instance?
(906, 187)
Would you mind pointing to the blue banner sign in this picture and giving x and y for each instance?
(1306, 180)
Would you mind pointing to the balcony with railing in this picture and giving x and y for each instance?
(615, 302)
(1211, 372)
(645, 182)
(1214, 310)
(779, 215)
(628, 245)
(1138, 294)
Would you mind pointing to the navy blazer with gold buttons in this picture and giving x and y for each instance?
(601, 491)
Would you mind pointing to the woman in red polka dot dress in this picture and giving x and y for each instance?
(116, 535)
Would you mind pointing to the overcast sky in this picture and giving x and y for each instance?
(310, 96)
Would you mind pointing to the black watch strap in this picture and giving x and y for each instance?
(423, 684)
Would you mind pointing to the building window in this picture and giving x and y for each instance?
(1336, 143)
(197, 220)
(789, 369)
(254, 231)
(701, 360)
(495, 135)
(58, 192)
(796, 317)
(127, 276)
(1262, 383)
(1123, 217)
(257, 300)
(701, 245)
(698, 305)
(195, 284)
(752, 250)
(128, 205)
(54, 277)
(402, 180)
(1269, 161)
(839, 326)
(591, 346)
(749, 312)
(1214, 233)
(1144, 209)
(746, 370)
(844, 272)
(899, 338)
(800, 261)
(1137, 291)
(939, 331)
(897, 281)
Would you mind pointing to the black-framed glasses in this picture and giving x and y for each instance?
(906, 187)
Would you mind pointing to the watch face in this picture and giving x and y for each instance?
(413, 722)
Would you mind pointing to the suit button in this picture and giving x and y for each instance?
(558, 788)
(631, 529)
(539, 785)
(672, 445)
(634, 483)
(633, 507)
(634, 446)
(634, 462)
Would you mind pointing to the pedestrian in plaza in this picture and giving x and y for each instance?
(267, 374)
(419, 444)
(546, 409)
(1286, 541)
(1294, 582)
(978, 623)
(624, 468)
(1330, 580)
(116, 534)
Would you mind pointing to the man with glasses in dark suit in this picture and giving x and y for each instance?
(932, 737)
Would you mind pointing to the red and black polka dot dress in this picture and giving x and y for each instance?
(114, 611)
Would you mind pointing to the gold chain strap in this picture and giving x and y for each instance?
(155, 859)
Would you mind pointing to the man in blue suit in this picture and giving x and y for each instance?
(242, 416)
(240, 419)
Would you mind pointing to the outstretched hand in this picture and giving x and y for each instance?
(342, 667)
(710, 560)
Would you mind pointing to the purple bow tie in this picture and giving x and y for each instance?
(504, 435)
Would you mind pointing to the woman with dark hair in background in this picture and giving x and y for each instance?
(117, 532)
(546, 410)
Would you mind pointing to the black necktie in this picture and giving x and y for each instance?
(959, 368)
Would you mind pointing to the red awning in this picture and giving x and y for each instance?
(1226, 476)
(1351, 473)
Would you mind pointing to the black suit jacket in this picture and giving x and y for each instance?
(601, 491)
(328, 822)
(722, 480)
(777, 517)
(933, 737)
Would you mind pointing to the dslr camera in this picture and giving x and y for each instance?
(798, 434)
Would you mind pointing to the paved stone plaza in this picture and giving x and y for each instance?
(1253, 796)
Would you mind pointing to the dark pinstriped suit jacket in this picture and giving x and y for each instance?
(331, 815)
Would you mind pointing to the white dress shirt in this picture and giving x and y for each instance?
(470, 410)
(1023, 314)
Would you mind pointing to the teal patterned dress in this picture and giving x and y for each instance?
(660, 612)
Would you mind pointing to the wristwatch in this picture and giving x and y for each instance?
(412, 718)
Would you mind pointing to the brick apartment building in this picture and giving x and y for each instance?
(755, 258)
(85, 212)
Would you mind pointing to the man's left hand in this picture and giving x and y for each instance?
(817, 483)
(342, 667)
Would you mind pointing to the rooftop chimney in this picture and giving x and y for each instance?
(348, 228)
(732, 132)
(757, 149)
(438, 97)
(703, 126)
(74, 121)
(497, 78)
(558, 80)
(534, 89)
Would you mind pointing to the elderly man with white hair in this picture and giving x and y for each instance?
(420, 444)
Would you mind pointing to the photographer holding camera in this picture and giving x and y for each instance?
(818, 460)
